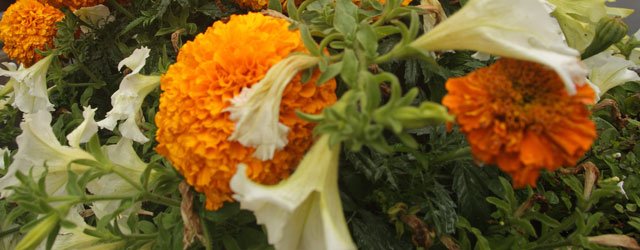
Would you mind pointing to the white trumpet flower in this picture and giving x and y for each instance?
(635, 53)
(124, 156)
(127, 100)
(520, 29)
(30, 85)
(97, 16)
(85, 130)
(38, 149)
(578, 19)
(256, 110)
(304, 211)
(608, 71)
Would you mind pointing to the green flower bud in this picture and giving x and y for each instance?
(428, 113)
(609, 30)
(38, 233)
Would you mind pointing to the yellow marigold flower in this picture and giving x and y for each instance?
(193, 127)
(28, 25)
(519, 115)
(73, 4)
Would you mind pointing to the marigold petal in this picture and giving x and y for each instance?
(210, 71)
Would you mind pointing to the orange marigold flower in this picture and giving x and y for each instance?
(193, 128)
(73, 4)
(518, 115)
(28, 25)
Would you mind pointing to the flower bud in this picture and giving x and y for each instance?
(38, 233)
(608, 31)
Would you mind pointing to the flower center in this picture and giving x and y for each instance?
(527, 95)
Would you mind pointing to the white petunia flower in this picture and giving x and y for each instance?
(520, 29)
(635, 53)
(124, 156)
(621, 186)
(608, 71)
(3, 151)
(256, 110)
(97, 16)
(38, 149)
(75, 238)
(304, 211)
(30, 85)
(85, 130)
(128, 99)
(6, 95)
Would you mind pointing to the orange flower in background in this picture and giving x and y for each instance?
(518, 115)
(73, 4)
(193, 128)
(27, 26)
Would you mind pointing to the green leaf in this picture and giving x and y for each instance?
(349, 72)
(545, 219)
(275, 5)
(307, 39)
(73, 187)
(344, 20)
(525, 225)
(331, 72)
(482, 243)
(230, 243)
(468, 184)
(500, 204)
(367, 38)
(372, 232)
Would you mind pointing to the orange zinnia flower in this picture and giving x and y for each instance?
(518, 115)
(27, 26)
(193, 128)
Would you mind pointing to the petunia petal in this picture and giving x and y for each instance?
(30, 85)
(256, 110)
(85, 130)
(608, 71)
(520, 29)
(38, 149)
(304, 211)
(127, 100)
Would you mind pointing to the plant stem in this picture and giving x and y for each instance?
(91, 74)
(552, 245)
(206, 234)
(125, 177)
(9, 231)
(121, 9)
(140, 236)
(459, 153)
(161, 199)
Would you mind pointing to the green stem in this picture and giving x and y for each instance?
(161, 199)
(9, 231)
(121, 9)
(91, 74)
(396, 53)
(126, 178)
(459, 153)
(140, 236)
(75, 85)
(8, 88)
(303, 6)
(552, 245)
(325, 41)
(563, 226)
(88, 198)
(206, 233)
